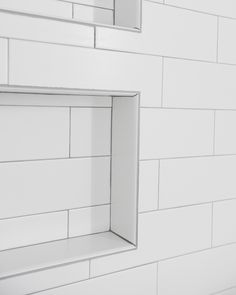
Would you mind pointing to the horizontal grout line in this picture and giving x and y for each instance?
(52, 106)
(188, 157)
(91, 6)
(54, 159)
(224, 290)
(193, 10)
(188, 108)
(54, 211)
(188, 205)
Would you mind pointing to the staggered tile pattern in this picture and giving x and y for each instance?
(183, 63)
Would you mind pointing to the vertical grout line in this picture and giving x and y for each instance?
(73, 10)
(157, 279)
(212, 223)
(95, 37)
(162, 83)
(217, 39)
(114, 12)
(214, 133)
(89, 268)
(111, 137)
(158, 188)
(69, 132)
(68, 224)
(8, 61)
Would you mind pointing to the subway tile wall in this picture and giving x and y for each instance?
(183, 63)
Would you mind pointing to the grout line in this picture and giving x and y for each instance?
(224, 290)
(8, 61)
(88, 5)
(181, 108)
(73, 10)
(159, 181)
(69, 132)
(212, 224)
(188, 205)
(162, 82)
(157, 279)
(114, 12)
(111, 145)
(51, 106)
(68, 224)
(90, 268)
(188, 157)
(51, 212)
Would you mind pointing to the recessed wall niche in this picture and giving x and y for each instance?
(69, 176)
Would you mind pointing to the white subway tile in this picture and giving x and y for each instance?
(43, 186)
(46, 30)
(175, 133)
(227, 44)
(90, 131)
(44, 7)
(166, 31)
(198, 180)
(90, 220)
(192, 84)
(46, 279)
(162, 234)
(225, 139)
(109, 4)
(148, 185)
(201, 273)
(138, 281)
(93, 14)
(224, 222)
(218, 7)
(28, 133)
(3, 61)
(30, 230)
(48, 65)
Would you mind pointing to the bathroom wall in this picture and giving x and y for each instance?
(183, 63)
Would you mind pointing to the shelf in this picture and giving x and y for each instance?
(47, 255)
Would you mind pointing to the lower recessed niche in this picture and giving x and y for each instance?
(94, 188)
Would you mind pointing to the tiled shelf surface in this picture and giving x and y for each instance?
(47, 255)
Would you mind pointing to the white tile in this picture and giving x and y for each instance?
(201, 273)
(43, 186)
(28, 133)
(70, 67)
(44, 7)
(192, 84)
(225, 139)
(218, 7)
(22, 99)
(162, 234)
(109, 4)
(175, 133)
(136, 281)
(148, 185)
(166, 31)
(93, 14)
(227, 44)
(46, 279)
(192, 181)
(90, 220)
(3, 61)
(30, 230)
(45, 30)
(90, 131)
(224, 222)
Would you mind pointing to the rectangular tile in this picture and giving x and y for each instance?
(29, 133)
(89, 220)
(162, 234)
(3, 61)
(225, 140)
(30, 230)
(187, 34)
(93, 14)
(198, 180)
(46, 279)
(90, 131)
(148, 185)
(175, 133)
(218, 7)
(46, 30)
(191, 84)
(224, 222)
(201, 273)
(136, 281)
(226, 46)
(70, 67)
(43, 186)
(44, 7)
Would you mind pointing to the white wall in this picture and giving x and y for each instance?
(183, 63)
